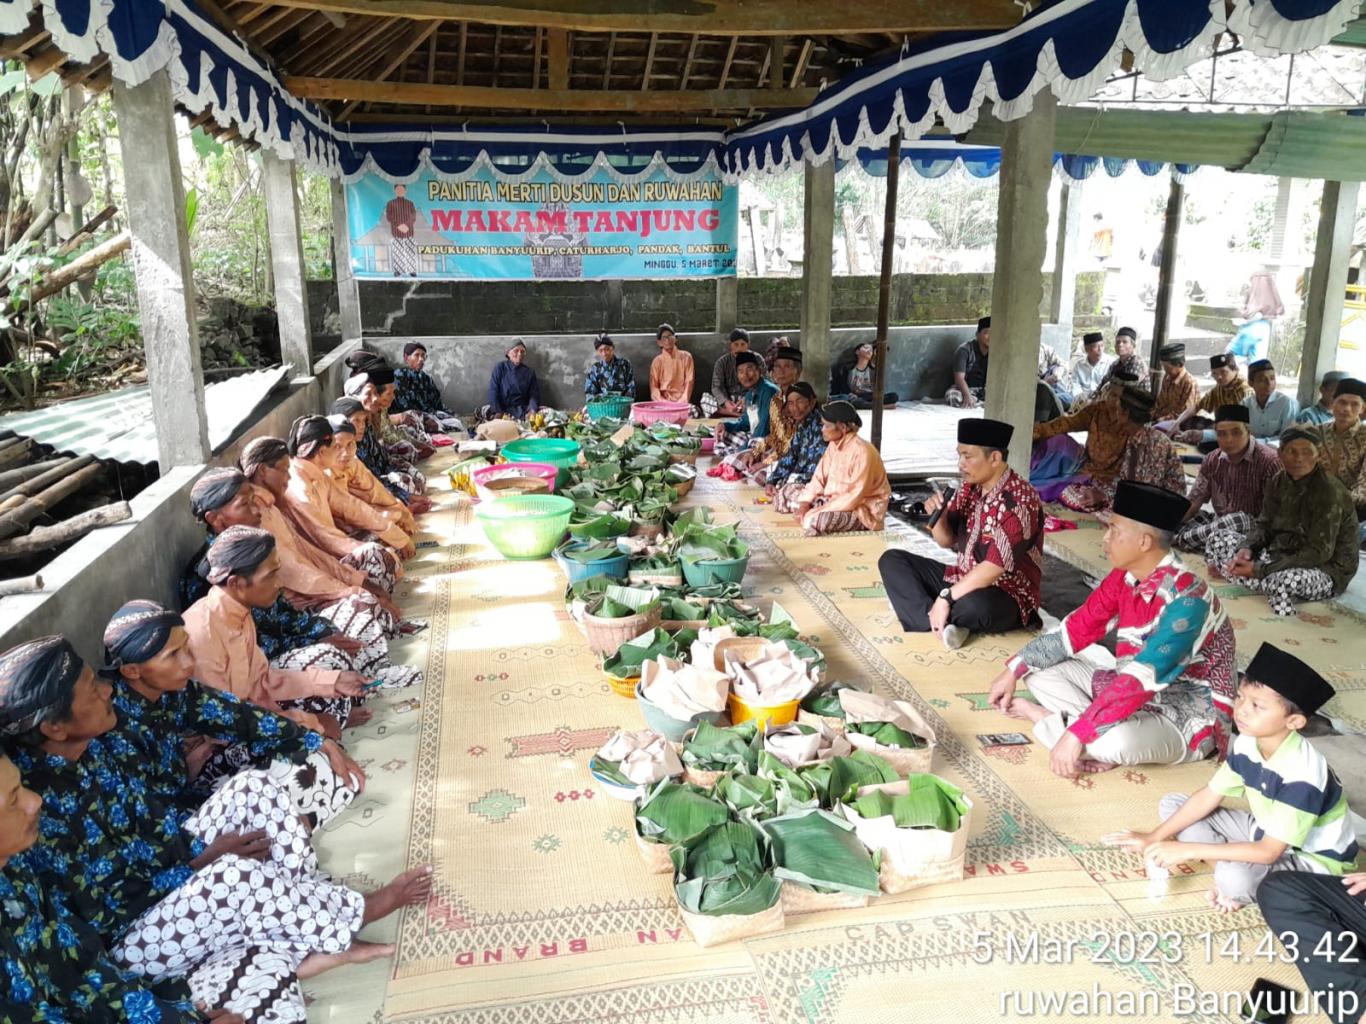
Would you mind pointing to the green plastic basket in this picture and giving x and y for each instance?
(562, 454)
(525, 526)
(614, 407)
(702, 574)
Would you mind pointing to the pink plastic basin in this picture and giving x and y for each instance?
(646, 413)
(481, 476)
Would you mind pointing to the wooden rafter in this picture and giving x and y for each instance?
(357, 63)
(687, 64)
(460, 63)
(649, 62)
(776, 46)
(490, 98)
(803, 58)
(418, 35)
(730, 57)
(558, 46)
(275, 28)
(229, 25)
(754, 17)
(607, 63)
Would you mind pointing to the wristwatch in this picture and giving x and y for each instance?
(947, 595)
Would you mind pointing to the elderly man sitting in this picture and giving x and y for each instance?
(849, 490)
(995, 524)
(1233, 477)
(1303, 546)
(1166, 695)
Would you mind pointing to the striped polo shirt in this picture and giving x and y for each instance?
(1294, 797)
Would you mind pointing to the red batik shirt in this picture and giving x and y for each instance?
(1003, 526)
(1174, 654)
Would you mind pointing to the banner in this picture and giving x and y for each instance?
(538, 228)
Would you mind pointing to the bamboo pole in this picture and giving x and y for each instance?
(21, 585)
(41, 482)
(43, 538)
(17, 476)
(17, 520)
(884, 290)
(15, 452)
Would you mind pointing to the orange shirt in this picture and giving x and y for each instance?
(354, 515)
(671, 377)
(226, 656)
(308, 503)
(851, 478)
(310, 577)
(366, 486)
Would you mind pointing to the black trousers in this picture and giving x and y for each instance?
(1317, 907)
(913, 583)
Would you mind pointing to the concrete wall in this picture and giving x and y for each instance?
(919, 365)
(459, 308)
(143, 557)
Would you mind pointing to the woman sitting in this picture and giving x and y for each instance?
(416, 392)
(358, 518)
(513, 388)
(759, 457)
(195, 736)
(402, 433)
(70, 976)
(311, 503)
(754, 401)
(319, 690)
(856, 383)
(358, 477)
(849, 490)
(202, 897)
(788, 476)
(395, 472)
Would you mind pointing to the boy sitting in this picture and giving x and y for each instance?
(1298, 813)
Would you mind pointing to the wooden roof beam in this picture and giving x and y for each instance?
(557, 50)
(420, 34)
(487, 98)
(754, 17)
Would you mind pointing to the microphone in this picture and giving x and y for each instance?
(948, 497)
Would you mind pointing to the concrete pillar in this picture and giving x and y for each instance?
(818, 264)
(287, 262)
(1327, 283)
(1066, 250)
(727, 304)
(161, 267)
(348, 294)
(1017, 280)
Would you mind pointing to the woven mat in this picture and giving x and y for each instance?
(1325, 633)
(546, 914)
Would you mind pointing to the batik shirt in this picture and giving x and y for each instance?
(1173, 655)
(1106, 427)
(803, 453)
(105, 838)
(1003, 526)
(1231, 393)
(1127, 364)
(773, 445)
(1343, 455)
(54, 966)
(1176, 397)
(1308, 523)
(371, 451)
(615, 377)
(1151, 458)
(156, 732)
(1236, 486)
(279, 628)
(415, 389)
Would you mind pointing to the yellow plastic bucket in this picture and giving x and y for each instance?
(762, 714)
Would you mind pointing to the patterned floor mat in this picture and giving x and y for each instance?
(545, 912)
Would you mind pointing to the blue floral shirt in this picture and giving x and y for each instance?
(279, 628)
(109, 843)
(803, 455)
(415, 389)
(371, 451)
(156, 731)
(54, 966)
(617, 377)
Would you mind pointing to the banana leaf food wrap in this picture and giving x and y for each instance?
(626, 663)
(619, 602)
(890, 728)
(821, 850)
(725, 885)
(636, 758)
(715, 748)
(920, 824)
(837, 778)
(776, 676)
(676, 812)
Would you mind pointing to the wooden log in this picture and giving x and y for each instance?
(17, 452)
(43, 538)
(17, 476)
(16, 520)
(45, 480)
(64, 277)
(21, 585)
(10, 441)
(13, 502)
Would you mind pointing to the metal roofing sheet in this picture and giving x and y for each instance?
(118, 425)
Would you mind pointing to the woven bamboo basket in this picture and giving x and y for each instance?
(605, 636)
(713, 931)
(655, 856)
(800, 899)
(684, 486)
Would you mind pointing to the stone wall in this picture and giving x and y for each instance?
(455, 308)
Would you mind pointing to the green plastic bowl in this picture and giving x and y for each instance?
(701, 574)
(525, 526)
(554, 451)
